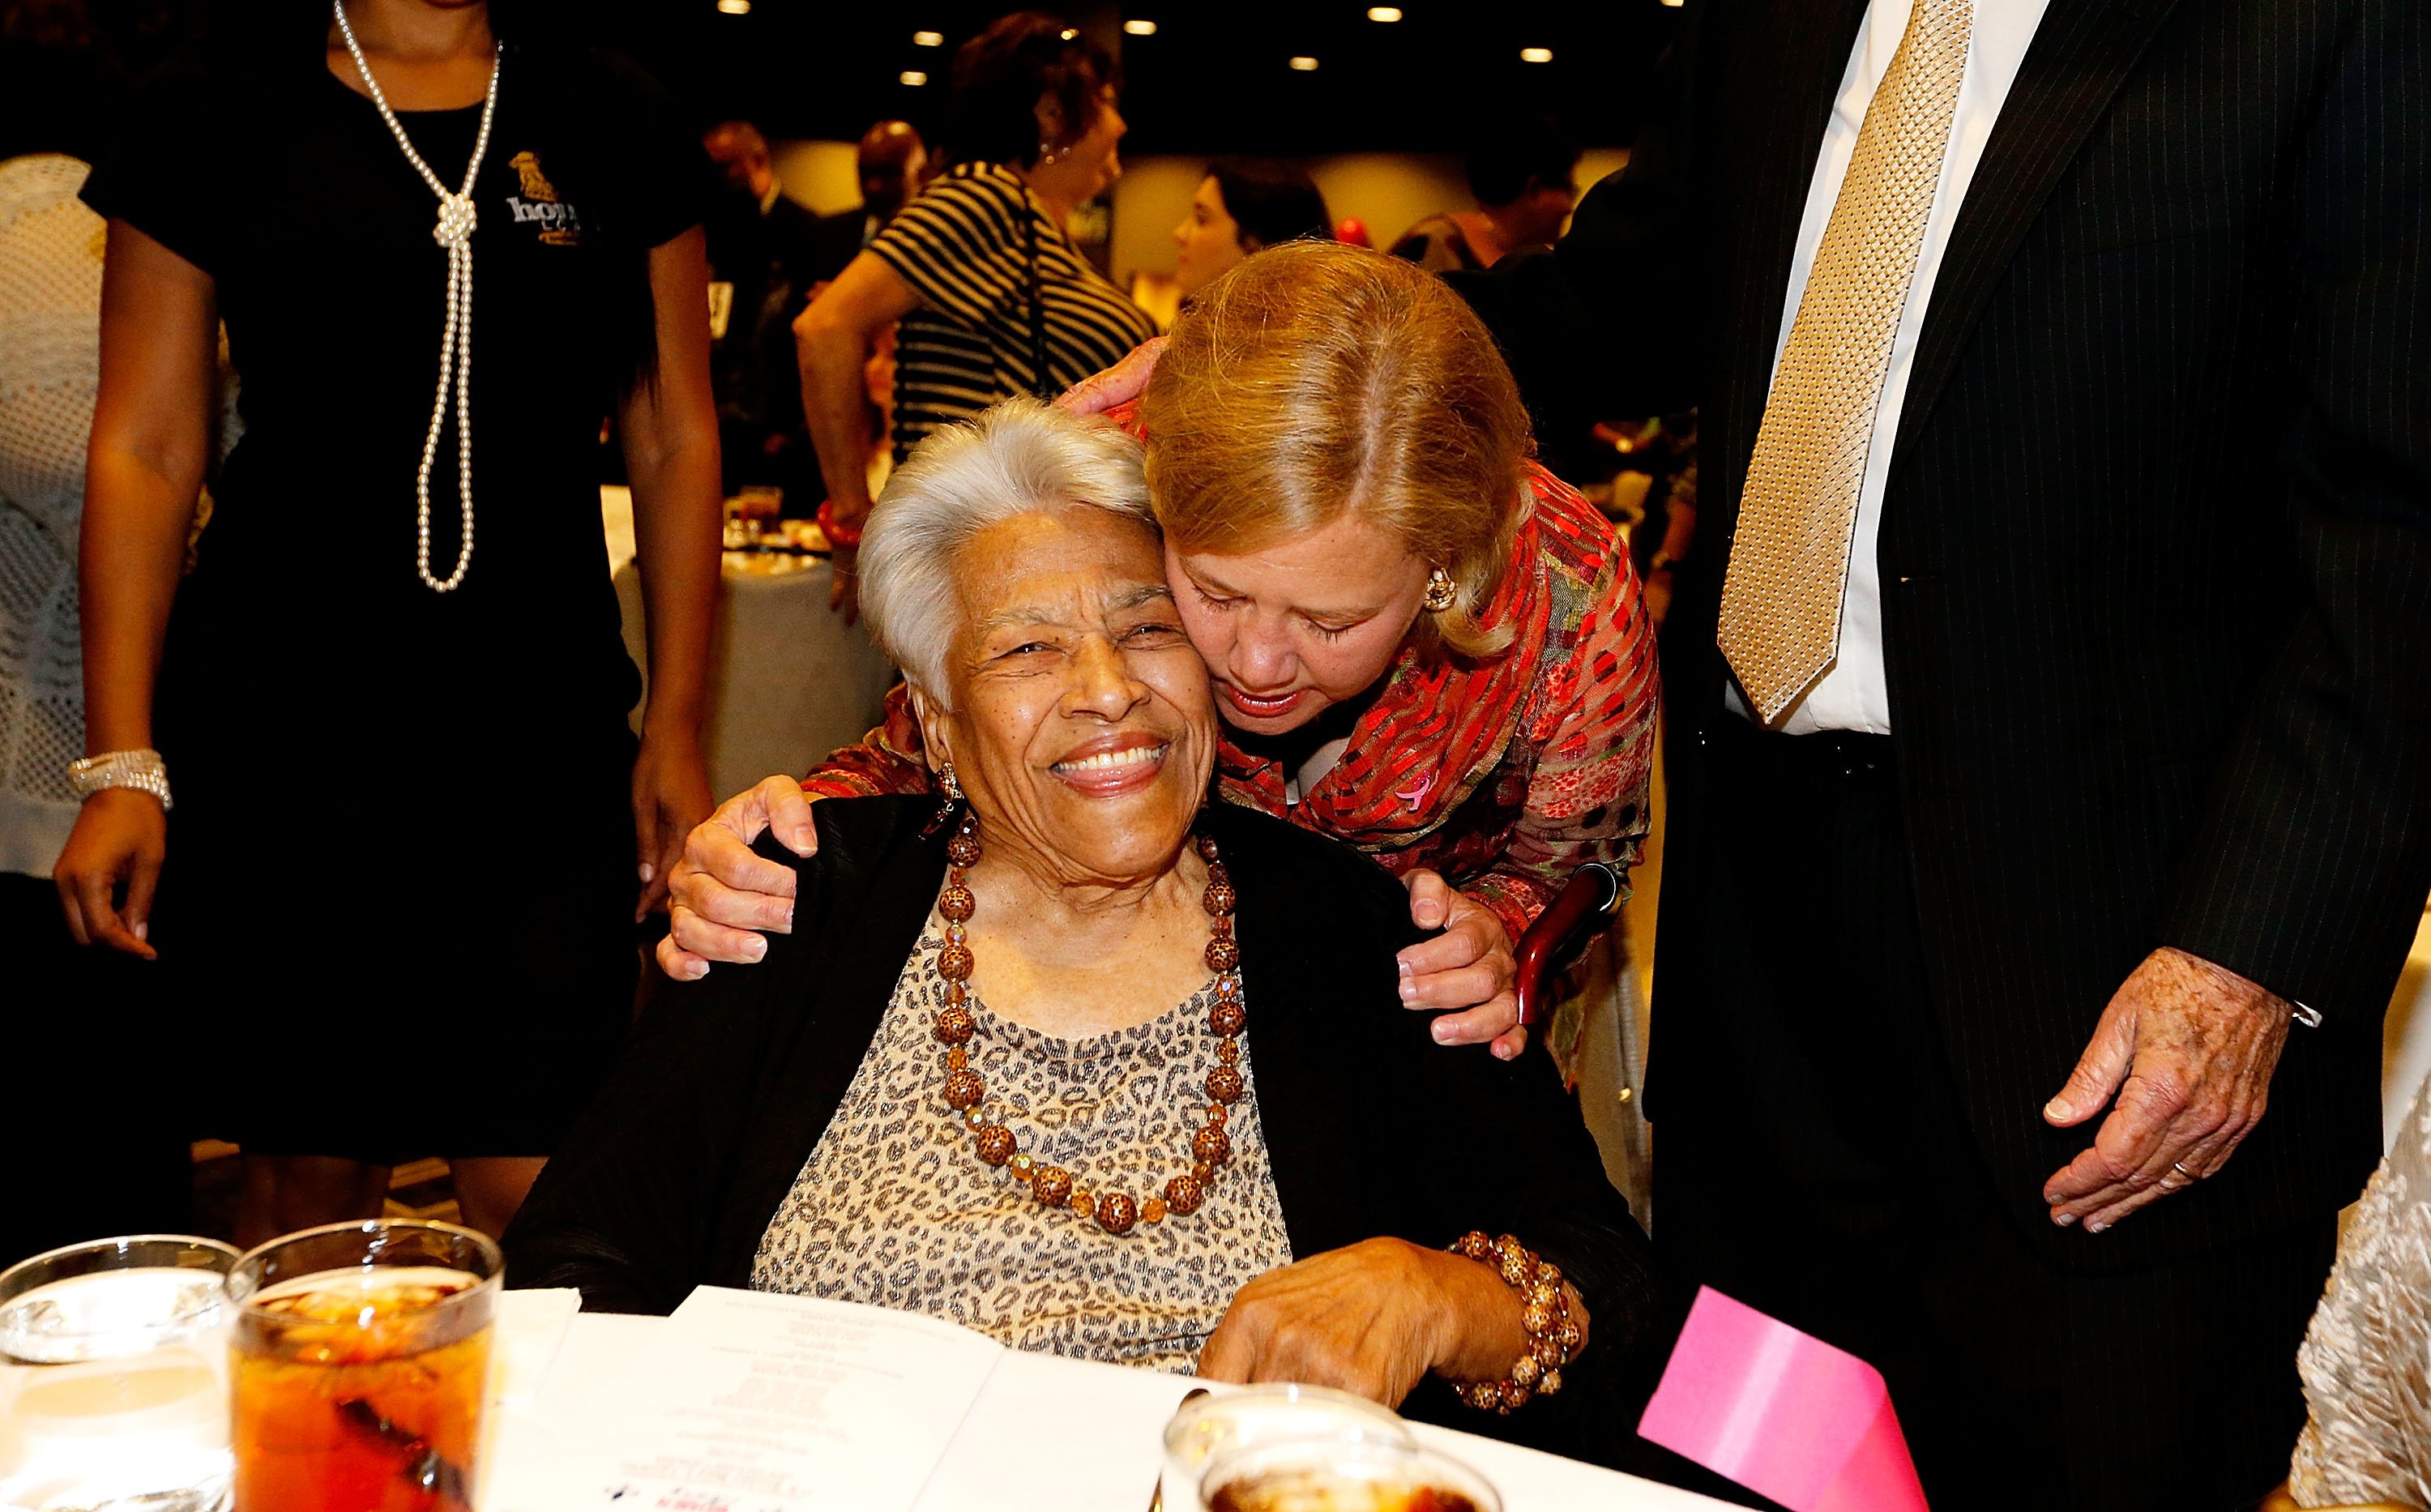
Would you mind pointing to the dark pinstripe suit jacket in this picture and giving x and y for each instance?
(2157, 546)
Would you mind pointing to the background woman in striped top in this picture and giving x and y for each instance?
(992, 298)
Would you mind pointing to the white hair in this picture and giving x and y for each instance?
(1019, 456)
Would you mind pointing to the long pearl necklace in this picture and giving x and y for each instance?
(454, 232)
(1052, 1186)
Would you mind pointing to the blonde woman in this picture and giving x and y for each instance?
(1421, 643)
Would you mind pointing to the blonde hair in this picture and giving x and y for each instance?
(1315, 378)
(1017, 457)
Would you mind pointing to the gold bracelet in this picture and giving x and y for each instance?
(1554, 1337)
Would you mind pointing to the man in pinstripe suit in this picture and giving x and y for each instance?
(2050, 693)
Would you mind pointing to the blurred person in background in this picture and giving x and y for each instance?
(1242, 204)
(1524, 173)
(766, 256)
(315, 641)
(993, 296)
(893, 163)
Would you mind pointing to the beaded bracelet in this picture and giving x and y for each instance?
(1553, 1339)
(841, 536)
(142, 770)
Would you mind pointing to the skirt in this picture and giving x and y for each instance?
(404, 958)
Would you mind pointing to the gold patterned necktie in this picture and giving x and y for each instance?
(1789, 561)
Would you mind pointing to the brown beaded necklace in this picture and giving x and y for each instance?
(1054, 1186)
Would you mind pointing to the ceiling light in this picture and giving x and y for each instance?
(1675, 4)
(928, 39)
(1303, 65)
(1069, 33)
(735, 8)
(1535, 55)
(913, 76)
(1140, 28)
(1384, 13)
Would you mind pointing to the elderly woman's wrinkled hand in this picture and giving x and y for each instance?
(721, 895)
(1468, 968)
(1372, 1319)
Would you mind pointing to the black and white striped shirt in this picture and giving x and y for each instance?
(965, 247)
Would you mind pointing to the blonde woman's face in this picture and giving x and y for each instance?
(1302, 624)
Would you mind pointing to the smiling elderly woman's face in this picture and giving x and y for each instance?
(1081, 725)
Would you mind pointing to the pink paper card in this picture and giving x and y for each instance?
(1781, 1413)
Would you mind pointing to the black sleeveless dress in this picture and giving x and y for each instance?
(348, 749)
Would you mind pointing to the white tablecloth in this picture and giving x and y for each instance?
(1029, 1443)
(792, 681)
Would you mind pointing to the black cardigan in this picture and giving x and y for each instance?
(1372, 1128)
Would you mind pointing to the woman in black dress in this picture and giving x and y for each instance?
(343, 629)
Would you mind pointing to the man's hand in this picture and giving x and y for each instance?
(721, 895)
(1119, 384)
(2189, 1046)
(1467, 966)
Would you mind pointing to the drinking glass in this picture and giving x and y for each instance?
(1370, 1475)
(361, 1355)
(1210, 1427)
(115, 1392)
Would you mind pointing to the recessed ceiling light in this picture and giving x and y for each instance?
(1304, 65)
(1384, 13)
(1535, 55)
(913, 76)
(1140, 27)
(735, 8)
(928, 39)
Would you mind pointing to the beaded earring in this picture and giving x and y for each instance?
(952, 794)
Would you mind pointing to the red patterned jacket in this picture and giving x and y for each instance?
(1502, 774)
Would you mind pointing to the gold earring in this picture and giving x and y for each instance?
(1440, 591)
(952, 792)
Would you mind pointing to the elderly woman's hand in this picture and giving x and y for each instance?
(1469, 967)
(721, 895)
(1373, 1318)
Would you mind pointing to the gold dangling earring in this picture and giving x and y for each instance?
(953, 795)
(1441, 593)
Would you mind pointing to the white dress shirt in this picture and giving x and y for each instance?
(1852, 694)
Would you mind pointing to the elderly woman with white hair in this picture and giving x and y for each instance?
(1083, 1060)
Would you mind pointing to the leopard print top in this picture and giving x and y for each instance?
(893, 1208)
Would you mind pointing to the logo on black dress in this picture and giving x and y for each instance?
(559, 224)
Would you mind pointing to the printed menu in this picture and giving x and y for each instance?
(749, 1401)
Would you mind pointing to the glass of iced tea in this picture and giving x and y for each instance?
(113, 1376)
(361, 1354)
(1314, 1475)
